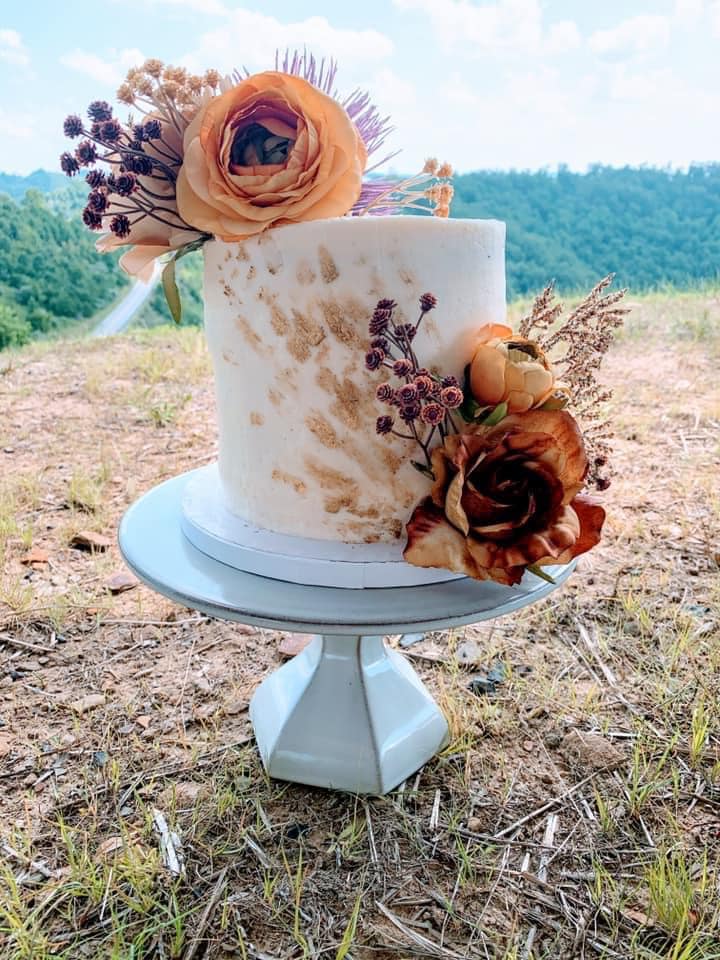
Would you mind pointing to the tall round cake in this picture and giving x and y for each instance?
(286, 317)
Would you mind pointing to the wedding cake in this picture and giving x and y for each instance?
(286, 319)
(379, 423)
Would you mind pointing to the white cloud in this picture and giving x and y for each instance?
(688, 11)
(714, 11)
(458, 91)
(562, 37)
(636, 35)
(393, 90)
(640, 86)
(208, 7)
(109, 71)
(227, 47)
(459, 23)
(15, 125)
(12, 49)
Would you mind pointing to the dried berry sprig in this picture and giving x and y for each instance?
(579, 344)
(429, 191)
(423, 401)
(143, 158)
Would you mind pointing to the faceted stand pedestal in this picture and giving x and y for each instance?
(346, 713)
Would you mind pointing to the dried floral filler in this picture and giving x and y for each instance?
(354, 406)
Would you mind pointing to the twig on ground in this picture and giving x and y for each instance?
(210, 906)
(423, 943)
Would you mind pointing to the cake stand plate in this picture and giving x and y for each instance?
(347, 713)
(210, 527)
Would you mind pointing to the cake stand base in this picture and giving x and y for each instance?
(347, 713)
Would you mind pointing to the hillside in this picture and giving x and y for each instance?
(653, 228)
(116, 703)
(50, 274)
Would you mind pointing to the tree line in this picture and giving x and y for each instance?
(649, 226)
(50, 274)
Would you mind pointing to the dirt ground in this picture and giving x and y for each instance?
(576, 811)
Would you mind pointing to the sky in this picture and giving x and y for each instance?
(483, 84)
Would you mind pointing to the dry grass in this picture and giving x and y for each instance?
(548, 844)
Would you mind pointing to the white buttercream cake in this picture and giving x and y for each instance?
(286, 318)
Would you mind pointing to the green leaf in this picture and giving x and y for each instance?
(423, 469)
(558, 401)
(539, 572)
(170, 289)
(469, 409)
(495, 415)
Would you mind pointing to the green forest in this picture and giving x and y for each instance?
(652, 227)
(50, 275)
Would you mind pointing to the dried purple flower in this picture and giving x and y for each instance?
(451, 397)
(139, 133)
(374, 358)
(406, 331)
(85, 153)
(153, 129)
(110, 131)
(68, 164)
(120, 226)
(95, 179)
(424, 385)
(381, 317)
(141, 165)
(124, 184)
(432, 413)
(97, 200)
(73, 126)
(423, 372)
(381, 343)
(384, 393)
(100, 110)
(427, 302)
(92, 219)
(410, 411)
(96, 130)
(384, 424)
(408, 393)
(449, 382)
(402, 367)
(385, 305)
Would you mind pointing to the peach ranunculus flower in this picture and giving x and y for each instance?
(271, 150)
(150, 236)
(506, 497)
(511, 369)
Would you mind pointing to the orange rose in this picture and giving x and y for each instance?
(510, 369)
(505, 497)
(272, 150)
(150, 237)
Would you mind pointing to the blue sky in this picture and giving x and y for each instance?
(497, 84)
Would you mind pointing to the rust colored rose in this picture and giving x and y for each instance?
(505, 497)
(511, 369)
(272, 150)
(150, 237)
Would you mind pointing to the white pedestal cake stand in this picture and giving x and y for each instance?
(347, 713)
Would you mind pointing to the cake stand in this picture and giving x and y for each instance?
(348, 713)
